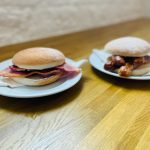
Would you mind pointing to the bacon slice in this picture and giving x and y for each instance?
(68, 68)
(125, 65)
(15, 68)
(125, 70)
(9, 73)
(17, 72)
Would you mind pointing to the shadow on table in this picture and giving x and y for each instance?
(124, 83)
(35, 106)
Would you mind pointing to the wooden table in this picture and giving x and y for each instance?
(99, 113)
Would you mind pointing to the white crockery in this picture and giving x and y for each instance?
(99, 57)
(31, 92)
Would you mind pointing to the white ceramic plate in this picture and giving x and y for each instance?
(98, 59)
(30, 92)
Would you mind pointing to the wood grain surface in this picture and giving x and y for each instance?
(99, 113)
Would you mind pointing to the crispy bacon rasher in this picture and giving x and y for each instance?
(125, 65)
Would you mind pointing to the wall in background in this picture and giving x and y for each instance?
(146, 8)
(34, 19)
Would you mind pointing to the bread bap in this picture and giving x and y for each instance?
(37, 82)
(130, 56)
(128, 46)
(38, 58)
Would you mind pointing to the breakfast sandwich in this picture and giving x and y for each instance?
(38, 66)
(129, 56)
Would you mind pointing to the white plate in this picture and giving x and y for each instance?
(30, 92)
(99, 57)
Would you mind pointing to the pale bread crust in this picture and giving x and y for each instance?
(38, 58)
(143, 69)
(128, 46)
(37, 82)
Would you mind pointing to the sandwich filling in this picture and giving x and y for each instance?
(125, 65)
(63, 70)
